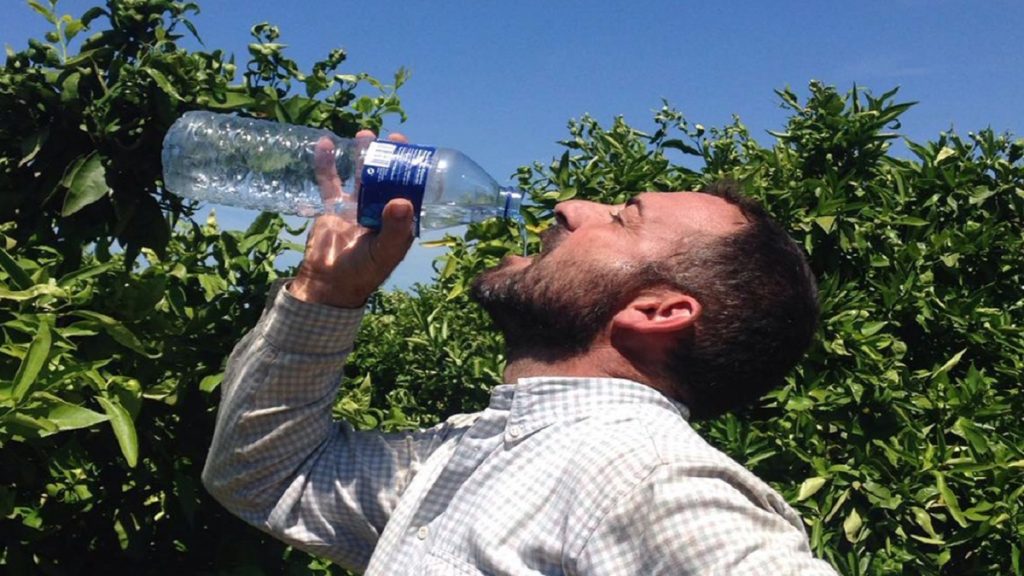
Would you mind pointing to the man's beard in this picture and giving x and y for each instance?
(546, 312)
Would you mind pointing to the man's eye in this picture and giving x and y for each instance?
(616, 218)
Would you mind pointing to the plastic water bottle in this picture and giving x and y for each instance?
(269, 166)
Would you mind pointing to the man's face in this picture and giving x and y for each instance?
(591, 263)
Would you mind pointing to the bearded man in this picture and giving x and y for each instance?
(632, 319)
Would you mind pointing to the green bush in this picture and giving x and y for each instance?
(117, 308)
(897, 439)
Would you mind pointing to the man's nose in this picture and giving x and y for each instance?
(573, 214)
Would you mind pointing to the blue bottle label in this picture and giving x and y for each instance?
(392, 170)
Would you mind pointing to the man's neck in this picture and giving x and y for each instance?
(597, 362)
(527, 367)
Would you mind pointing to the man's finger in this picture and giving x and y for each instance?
(326, 172)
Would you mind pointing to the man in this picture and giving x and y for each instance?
(632, 318)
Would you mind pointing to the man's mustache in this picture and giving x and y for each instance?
(551, 238)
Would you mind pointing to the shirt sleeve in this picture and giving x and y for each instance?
(280, 462)
(676, 522)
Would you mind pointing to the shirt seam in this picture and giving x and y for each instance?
(658, 462)
(615, 503)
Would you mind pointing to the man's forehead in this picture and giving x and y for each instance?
(697, 210)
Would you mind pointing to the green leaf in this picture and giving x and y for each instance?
(949, 364)
(115, 330)
(85, 273)
(69, 93)
(73, 28)
(192, 28)
(33, 292)
(440, 243)
(980, 194)
(165, 391)
(212, 284)
(31, 424)
(933, 541)
(163, 83)
(966, 429)
(19, 278)
(231, 101)
(949, 499)
(456, 291)
(799, 403)
(92, 14)
(69, 416)
(944, 153)
(124, 428)
(681, 146)
(31, 145)
(809, 487)
(46, 12)
(33, 362)
(911, 221)
(924, 520)
(260, 225)
(852, 526)
(210, 383)
(128, 392)
(86, 182)
(872, 328)
(826, 223)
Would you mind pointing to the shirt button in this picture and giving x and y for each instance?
(515, 431)
(422, 533)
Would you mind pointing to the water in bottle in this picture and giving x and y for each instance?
(269, 166)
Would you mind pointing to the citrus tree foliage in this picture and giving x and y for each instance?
(899, 438)
(117, 307)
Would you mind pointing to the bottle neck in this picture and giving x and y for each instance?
(511, 201)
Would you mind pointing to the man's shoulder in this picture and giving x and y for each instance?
(636, 439)
(636, 442)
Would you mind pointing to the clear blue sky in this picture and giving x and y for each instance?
(499, 80)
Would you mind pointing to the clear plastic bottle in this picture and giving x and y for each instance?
(269, 166)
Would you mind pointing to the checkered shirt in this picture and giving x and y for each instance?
(557, 476)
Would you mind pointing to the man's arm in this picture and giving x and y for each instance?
(679, 520)
(277, 459)
(280, 462)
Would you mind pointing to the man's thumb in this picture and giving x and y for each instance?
(396, 231)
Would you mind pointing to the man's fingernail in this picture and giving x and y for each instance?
(402, 211)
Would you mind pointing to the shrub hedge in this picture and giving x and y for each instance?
(898, 439)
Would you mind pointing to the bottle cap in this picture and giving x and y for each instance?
(512, 199)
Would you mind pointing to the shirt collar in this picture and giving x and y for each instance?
(534, 403)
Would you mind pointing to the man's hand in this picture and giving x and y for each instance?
(344, 263)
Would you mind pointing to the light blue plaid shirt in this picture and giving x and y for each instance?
(556, 476)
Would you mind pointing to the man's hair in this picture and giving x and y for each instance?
(759, 313)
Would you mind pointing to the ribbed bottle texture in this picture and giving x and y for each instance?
(269, 166)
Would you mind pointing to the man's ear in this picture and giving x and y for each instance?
(658, 312)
